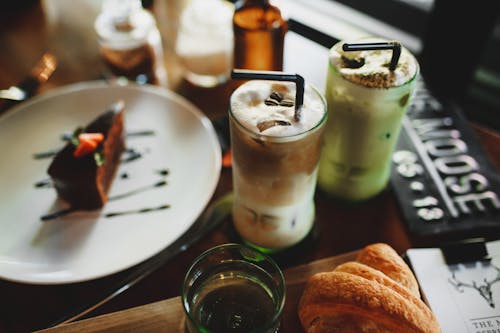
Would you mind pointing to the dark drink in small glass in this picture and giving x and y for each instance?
(136, 64)
(233, 289)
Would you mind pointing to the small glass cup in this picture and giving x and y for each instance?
(130, 42)
(233, 288)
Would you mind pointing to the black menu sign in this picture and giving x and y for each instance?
(442, 178)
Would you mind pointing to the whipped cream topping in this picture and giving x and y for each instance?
(371, 68)
(248, 106)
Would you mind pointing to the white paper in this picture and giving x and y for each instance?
(464, 297)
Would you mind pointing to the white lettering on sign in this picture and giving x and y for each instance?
(456, 165)
(445, 147)
(457, 177)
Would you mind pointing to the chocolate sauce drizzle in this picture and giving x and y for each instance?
(138, 190)
(130, 154)
(45, 183)
(138, 211)
(163, 172)
(140, 133)
(45, 154)
(57, 214)
(69, 210)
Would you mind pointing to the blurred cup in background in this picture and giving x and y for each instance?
(130, 42)
(204, 42)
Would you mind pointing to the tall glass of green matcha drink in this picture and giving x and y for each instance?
(368, 89)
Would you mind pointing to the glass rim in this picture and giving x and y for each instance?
(278, 308)
(274, 138)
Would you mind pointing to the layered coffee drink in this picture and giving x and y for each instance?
(275, 162)
(367, 100)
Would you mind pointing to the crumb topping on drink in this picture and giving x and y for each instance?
(371, 68)
(268, 108)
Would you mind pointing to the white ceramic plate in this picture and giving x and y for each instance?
(86, 245)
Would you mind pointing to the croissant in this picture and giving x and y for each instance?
(376, 293)
(384, 258)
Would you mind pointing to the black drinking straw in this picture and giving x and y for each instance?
(393, 45)
(245, 74)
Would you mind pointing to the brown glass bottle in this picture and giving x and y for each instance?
(259, 33)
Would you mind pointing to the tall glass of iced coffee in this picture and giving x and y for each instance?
(368, 91)
(275, 162)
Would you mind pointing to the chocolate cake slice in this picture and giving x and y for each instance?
(84, 181)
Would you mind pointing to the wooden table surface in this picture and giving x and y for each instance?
(66, 29)
(167, 315)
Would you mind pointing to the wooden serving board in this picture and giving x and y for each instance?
(168, 315)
